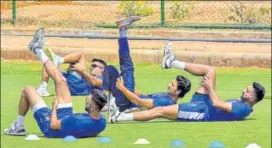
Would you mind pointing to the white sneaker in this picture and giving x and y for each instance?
(114, 115)
(112, 107)
(43, 91)
(169, 56)
(14, 130)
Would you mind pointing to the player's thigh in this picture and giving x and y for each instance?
(169, 112)
(32, 96)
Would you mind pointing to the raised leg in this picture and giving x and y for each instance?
(170, 61)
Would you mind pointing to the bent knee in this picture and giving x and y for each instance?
(28, 90)
(61, 79)
(211, 71)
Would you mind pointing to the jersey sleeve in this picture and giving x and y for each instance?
(161, 102)
(240, 110)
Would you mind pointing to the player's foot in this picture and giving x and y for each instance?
(37, 41)
(127, 22)
(114, 115)
(43, 91)
(112, 107)
(15, 130)
(168, 56)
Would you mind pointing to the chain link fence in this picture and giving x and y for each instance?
(80, 14)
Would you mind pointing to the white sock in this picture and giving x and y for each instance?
(125, 117)
(42, 56)
(178, 64)
(20, 120)
(61, 60)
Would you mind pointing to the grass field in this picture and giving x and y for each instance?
(149, 78)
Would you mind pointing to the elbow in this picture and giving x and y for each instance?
(53, 126)
(138, 102)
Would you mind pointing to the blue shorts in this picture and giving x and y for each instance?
(196, 110)
(43, 116)
(76, 85)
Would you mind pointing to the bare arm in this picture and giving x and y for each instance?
(148, 103)
(207, 83)
(54, 122)
(226, 106)
(91, 79)
(137, 92)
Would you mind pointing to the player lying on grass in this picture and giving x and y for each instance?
(126, 96)
(205, 105)
(60, 121)
(80, 82)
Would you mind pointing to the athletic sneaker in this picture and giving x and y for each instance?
(169, 56)
(112, 107)
(43, 91)
(114, 115)
(37, 42)
(127, 22)
(14, 130)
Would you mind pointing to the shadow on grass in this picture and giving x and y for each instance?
(172, 121)
(42, 136)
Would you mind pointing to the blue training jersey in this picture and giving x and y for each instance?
(81, 125)
(78, 85)
(239, 111)
(159, 99)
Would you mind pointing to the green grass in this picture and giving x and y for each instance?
(149, 78)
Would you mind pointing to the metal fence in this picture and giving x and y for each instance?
(192, 14)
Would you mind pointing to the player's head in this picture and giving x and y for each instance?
(95, 101)
(97, 67)
(179, 86)
(253, 93)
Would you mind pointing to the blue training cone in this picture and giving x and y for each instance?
(69, 139)
(177, 143)
(217, 144)
(104, 140)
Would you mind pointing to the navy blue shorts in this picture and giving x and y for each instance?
(196, 110)
(43, 116)
(76, 85)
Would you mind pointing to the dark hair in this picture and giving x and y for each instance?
(99, 98)
(100, 61)
(184, 85)
(259, 91)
